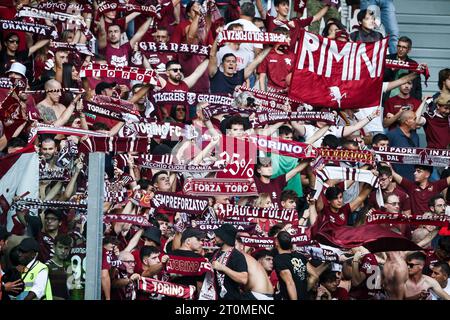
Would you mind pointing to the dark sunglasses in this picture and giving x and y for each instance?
(13, 41)
(176, 70)
(412, 265)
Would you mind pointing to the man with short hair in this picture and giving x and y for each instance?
(57, 267)
(441, 273)
(366, 31)
(292, 269)
(329, 287)
(243, 56)
(158, 60)
(398, 104)
(404, 47)
(419, 286)
(229, 264)
(124, 280)
(380, 140)
(421, 190)
(405, 136)
(161, 181)
(149, 256)
(52, 222)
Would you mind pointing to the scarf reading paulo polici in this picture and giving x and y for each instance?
(229, 211)
(166, 288)
(407, 155)
(337, 74)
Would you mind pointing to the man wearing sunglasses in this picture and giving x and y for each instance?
(418, 285)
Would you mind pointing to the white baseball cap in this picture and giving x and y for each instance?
(17, 67)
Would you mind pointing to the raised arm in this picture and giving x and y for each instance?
(258, 59)
(67, 113)
(37, 46)
(198, 72)
(302, 165)
(141, 32)
(420, 120)
(319, 15)
(348, 130)
(356, 203)
(212, 64)
(286, 276)
(397, 83)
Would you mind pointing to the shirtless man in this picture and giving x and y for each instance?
(51, 111)
(394, 275)
(258, 286)
(418, 285)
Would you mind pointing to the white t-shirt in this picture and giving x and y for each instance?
(310, 130)
(242, 55)
(248, 26)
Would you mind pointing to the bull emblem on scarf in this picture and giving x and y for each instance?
(191, 97)
(336, 95)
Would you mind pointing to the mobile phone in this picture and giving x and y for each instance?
(406, 107)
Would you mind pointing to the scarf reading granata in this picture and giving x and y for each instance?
(241, 226)
(128, 73)
(166, 288)
(407, 155)
(151, 47)
(39, 29)
(381, 217)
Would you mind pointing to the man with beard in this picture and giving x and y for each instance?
(229, 264)
(52, 222)
(50, 110)
(35, 273)
(49, 152)
(57, 267)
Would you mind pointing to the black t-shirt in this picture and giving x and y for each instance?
(185, 280)
(296, 264)
(221, 84)
(236, 262)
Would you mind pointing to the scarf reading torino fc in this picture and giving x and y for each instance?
(380, 217)
(337, 74)
(151, 47)
(155, 129)
(406, 155)
(128, 73)
(110, 110)
(407, 65)
(166, 288)
(229, 211)
(39, 29)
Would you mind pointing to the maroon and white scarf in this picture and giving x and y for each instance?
(318, 253)
(54, 174)
(241, 226)
(177, 202)
(188, 266)
(407, 155)
(268, 242)
(270, 100)
(72, 90)
(408, 65)
(64, 7)
(29, 203)
(283, 147)
(198, 168)
(191, 98)
(362, 156)
(152, 11)
(210, 111)
(128, 73)
(125, 105)
(263, 118)
(381, 217)
(109, 110)
(137, 220)
(229, 211)
(155, 129)
(27, 11)
(151, 47)
(213, 187)
(251, 37)
(39, 29)
(114, 144)
(50, 129)
(76, 47)
(164, 288)
(223, 257)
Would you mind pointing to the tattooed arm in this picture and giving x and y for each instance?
(47, 114)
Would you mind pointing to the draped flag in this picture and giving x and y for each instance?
(337, 74)
(19, 175)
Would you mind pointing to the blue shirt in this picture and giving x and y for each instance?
(221, 84)
(398, 139)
